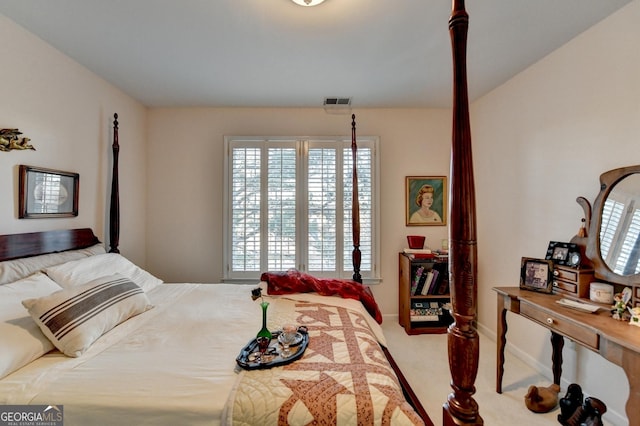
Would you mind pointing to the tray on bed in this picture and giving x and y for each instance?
(272, 357)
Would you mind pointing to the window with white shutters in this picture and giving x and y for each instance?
(288, 205)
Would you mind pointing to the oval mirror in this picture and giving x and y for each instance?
(620, 227)
(613, 243)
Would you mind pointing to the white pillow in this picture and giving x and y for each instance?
(75, 318)
(13, 270)
(21, 341)
(77, 272)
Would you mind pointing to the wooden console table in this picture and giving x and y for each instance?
(616, 341)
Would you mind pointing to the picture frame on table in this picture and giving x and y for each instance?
(564, 253)
(47, 193)
(536, 274)
(426, 200)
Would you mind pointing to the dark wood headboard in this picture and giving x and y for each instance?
(15, 246)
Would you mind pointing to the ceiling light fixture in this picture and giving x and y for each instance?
(307, 2)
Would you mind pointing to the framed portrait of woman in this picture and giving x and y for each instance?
(426, 200)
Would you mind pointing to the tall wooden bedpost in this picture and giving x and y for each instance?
(114, 214)
(463, 340)
(356, 255)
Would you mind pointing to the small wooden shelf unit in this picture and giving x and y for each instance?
(435, 316)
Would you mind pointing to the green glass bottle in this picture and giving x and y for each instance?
(264, 331)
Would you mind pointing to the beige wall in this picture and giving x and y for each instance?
(67, 112)
(185, 175)
(540, 141)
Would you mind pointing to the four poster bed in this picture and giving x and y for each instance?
(113, 344)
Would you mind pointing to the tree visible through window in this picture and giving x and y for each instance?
(289, 206)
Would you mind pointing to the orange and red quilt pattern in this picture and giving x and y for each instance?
(342, 378)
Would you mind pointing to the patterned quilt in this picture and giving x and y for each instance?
(343, 378)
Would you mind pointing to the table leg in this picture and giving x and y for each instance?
(557, 343)
(501, 341)
(631, 366)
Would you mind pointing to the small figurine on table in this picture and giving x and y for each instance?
(619, 309)
(635, 316)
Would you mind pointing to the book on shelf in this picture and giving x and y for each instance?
(434, 282)
(427, 283)
(425, 304)
(419, 253)
(423, 318)
(425, 311)
(443, 280)
(421, 282)
(416, 278)
(443, 287)
(424, 315)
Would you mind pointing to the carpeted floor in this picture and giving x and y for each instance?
(423, 361)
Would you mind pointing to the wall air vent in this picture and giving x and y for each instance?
(337, 105)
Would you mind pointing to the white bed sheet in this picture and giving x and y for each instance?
(174, 364)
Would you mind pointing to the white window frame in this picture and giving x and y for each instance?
(369, 277)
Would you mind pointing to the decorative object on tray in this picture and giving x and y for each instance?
(45, 193)
(536, 274)
(542, 399)
(288, 337)
(264, 331)
(275, 353)
(10, 139)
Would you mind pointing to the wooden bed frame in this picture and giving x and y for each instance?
(463, 341)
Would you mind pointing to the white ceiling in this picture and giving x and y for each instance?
(381, 53)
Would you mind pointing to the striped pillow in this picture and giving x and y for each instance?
(75, 318)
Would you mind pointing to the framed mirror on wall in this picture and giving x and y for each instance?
(46, 193)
